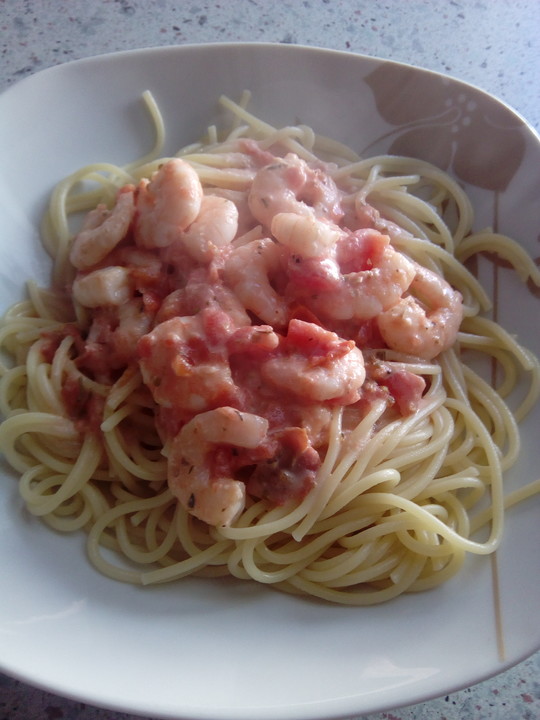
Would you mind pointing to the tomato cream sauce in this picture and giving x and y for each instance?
(251, 316)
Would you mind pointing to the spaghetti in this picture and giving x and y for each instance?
(363, 469)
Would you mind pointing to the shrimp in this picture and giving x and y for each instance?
(106, 286)
(184, 366)
(364, 294)
(357, 278)
(102, 230)
(316, 365)
(214, 227)
(247, 271)
(202, 291)
(210, 495)
(424, 330)
(305, 235)
(167, 204)
(112, 337)
(290, 185)
(246, 222)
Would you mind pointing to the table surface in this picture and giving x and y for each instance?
(492, 44)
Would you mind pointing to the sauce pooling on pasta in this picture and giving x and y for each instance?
(251, 319)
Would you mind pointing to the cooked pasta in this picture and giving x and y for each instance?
(266, 358)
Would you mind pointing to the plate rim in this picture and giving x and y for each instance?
(105, 57)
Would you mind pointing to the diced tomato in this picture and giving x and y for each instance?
(360, 250)
(370, 393)
(405, 387)
(311, 275)
(298, 311)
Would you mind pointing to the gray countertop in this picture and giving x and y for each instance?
(492, 44)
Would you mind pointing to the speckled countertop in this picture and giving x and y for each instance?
(493, 44)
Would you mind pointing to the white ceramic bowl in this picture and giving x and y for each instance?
(231, 650)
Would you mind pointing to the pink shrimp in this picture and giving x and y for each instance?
(214, 228)
(248, 271)
(206, 492)
(102, 230)
(426, 323)
(290, 185)
(167, 204)
(345, 276)
(185, 366)
(316, 365)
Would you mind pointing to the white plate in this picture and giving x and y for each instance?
(215, 649)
